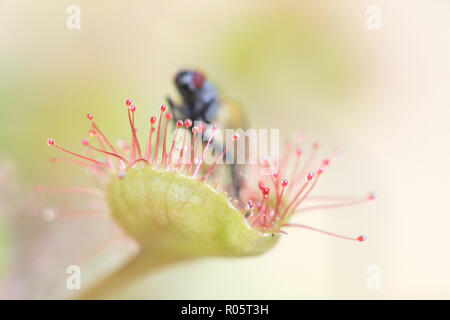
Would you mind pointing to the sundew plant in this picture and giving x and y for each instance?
(175, 206)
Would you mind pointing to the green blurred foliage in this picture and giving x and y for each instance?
(286, 52)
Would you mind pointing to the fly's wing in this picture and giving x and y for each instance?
(232, 115)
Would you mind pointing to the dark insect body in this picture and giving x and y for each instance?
(200, 101)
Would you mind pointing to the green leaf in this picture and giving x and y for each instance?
(173, 218)
(165, 211)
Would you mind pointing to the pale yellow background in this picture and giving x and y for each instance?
(381, 96)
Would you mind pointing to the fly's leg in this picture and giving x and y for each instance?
(175, 109)
(236, 181)
(235, 174)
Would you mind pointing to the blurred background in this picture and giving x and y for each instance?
(381, 95)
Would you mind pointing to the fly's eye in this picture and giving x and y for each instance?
(199, 79)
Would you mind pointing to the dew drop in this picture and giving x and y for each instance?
(361, 238)
(49, 215)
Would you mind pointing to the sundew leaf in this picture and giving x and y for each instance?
(173, 214)
(164, 210)
(174, 217)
